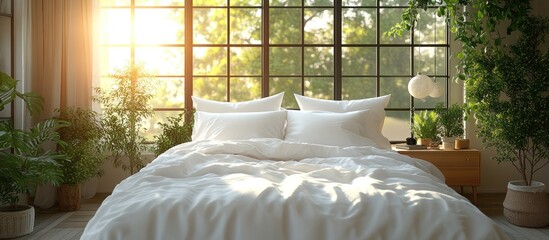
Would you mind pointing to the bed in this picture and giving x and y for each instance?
(240, 179)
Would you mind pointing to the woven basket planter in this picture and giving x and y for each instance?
(68, 196)
(16, 224)
(526, 206)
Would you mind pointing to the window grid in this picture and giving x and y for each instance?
(265, 76)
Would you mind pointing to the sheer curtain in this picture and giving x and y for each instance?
(59, 67)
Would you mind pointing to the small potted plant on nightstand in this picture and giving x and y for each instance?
(450, 124)
(83, 141)
(424, 127)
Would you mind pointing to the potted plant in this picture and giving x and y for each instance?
(83, 139)
(507, 92)
(24, 164)
(424, 127)
(450, 123)
(126, 105)
(174, 132)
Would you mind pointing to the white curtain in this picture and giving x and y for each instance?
(58, 63)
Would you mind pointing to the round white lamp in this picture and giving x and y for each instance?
(437, 90)
(420, 86)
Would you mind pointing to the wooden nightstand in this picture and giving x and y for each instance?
(460, 167)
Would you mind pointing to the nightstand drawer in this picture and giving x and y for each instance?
(461, 176)
(443, 159)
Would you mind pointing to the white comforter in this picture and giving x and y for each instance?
(270, 189)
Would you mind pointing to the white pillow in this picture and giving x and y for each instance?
(373, 123)
(238, 126)
(267, 104)
(326, 128)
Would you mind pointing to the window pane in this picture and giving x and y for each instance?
(115, 26)
(170, 93)
(398, 88)
(388, 18)
(394, 60)
(210, 2)
(425, 59)
(158, 3)
(210, 60)
(319, 27)
(287, 85)
(113, 58)
(284, 2)
(359, 61)
(212, 88)
(245, 61)
(319, 61)
(210, 26)
(285, 26)
(319, 87)
(246, 26)
(245, 2)
(285, 61)
(245, 88)
(359, 2)
(394, 3)
(319, 2)
(147, 29)
(428, 22)
(397, 125)
(162, 60)
(358, 87)
(359, 26)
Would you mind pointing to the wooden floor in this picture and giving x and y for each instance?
(53, 225)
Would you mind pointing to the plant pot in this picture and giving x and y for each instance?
(16, 223)
(462, 143)
(448, 143)
(424, 141)
(68, 196)
(526, 206)
(88, 189)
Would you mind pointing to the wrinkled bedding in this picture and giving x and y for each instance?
(270, 189)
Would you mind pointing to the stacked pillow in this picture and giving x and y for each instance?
(335, 123)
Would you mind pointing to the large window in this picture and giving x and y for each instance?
(238, 50)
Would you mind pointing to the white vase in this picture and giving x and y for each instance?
(526, 206)
(448, 143)
(89, 188)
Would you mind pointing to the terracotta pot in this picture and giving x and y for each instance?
(424, 141)
(16, 223)
(462, 143)
(526, 206)
(68, 196)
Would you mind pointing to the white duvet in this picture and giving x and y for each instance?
(270, 189)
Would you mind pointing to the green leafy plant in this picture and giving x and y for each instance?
(174, 132)
(508, 92)
(83, 141)
(477, 24)
(24, 164)
(125, 107)
(425, 124)
(450, 120)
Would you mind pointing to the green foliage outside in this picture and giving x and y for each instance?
(175, 131)
(83, 145)
(125, 107)
(24, 164)
(425, 125)
(450, 120)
